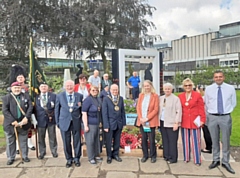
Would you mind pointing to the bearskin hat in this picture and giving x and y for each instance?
(15, 71)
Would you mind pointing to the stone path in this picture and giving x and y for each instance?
(131, 167)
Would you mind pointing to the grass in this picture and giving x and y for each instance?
(2, 137)
(235, 137)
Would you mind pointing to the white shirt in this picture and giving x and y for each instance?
(228, 96)
(95, 81)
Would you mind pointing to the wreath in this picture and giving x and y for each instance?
(128, 140)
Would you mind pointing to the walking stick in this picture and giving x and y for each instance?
(20, 149)
(36, 140)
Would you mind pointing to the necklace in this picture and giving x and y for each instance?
(188, 97)
(116, 107)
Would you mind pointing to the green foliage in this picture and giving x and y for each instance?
(108, 70)
(85, 68)
(235, 136)
(130, 106)
(130, 69)
(55, 82)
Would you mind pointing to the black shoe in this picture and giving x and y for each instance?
(33, 148)
(228, 168)
(77, 163)
(153, 160)
(17, 152)
(10, 162)
(26, 159)
(117, 158)
(144, 159)
(41, 156)
(109, 160)
(171, 162)
(206, 151)
(214, 164)
(68, 164)
(160, 147)
(55, 155)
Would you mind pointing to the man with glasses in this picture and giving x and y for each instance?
(220, 100)
(113, 114)
(105, 81)
(68, 119)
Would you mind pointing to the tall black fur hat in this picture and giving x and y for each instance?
(15, 71)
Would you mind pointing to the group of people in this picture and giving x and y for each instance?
(99, 114)
(190, 112)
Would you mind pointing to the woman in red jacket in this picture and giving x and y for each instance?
(147, 111)
(193, 117)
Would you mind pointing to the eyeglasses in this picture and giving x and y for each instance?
(94, 90)
(82, 78)
(188, 85)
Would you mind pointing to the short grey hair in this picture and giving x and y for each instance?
(168, 85)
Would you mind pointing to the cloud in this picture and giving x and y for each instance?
(175, 18)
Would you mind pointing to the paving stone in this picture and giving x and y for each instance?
(3, 163)
(56, 162)
(159, 167)
(156, 176)
(190, 168)
(34, 162)
(86, 169)
(10, 172)
(197, 177)
(121, 175)
(236, 168)
(127, 164)
(53, 172)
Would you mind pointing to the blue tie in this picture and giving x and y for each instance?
(220, 101)
(70, 98)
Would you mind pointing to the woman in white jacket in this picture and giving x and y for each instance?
(170, 115)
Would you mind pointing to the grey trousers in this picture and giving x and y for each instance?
(11, 143)
(52, 139)
(92, 141)
(215, 125)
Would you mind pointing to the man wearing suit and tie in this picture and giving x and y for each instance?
(44, 105)
(113, 114)
(105, 81)
(68, 118)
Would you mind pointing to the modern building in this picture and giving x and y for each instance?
(220, 48)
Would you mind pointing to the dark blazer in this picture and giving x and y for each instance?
(41, 115)
(9, 108)
(62, 115)
(103, 94)
(113, 119)
(103, 84)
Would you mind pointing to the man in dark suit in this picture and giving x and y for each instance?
(105, 81)
(104, 92)
(68, 118)
(19, 118)
(44, 105)
(113, 114)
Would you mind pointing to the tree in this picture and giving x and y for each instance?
(102, 24)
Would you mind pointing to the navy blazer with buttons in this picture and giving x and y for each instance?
(41, 115)
(62, 115)
(113, 119)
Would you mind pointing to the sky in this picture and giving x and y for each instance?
(175, 18)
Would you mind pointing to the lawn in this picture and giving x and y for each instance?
(2, 137)
(235, 137)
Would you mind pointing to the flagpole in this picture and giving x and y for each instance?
(32, 88)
